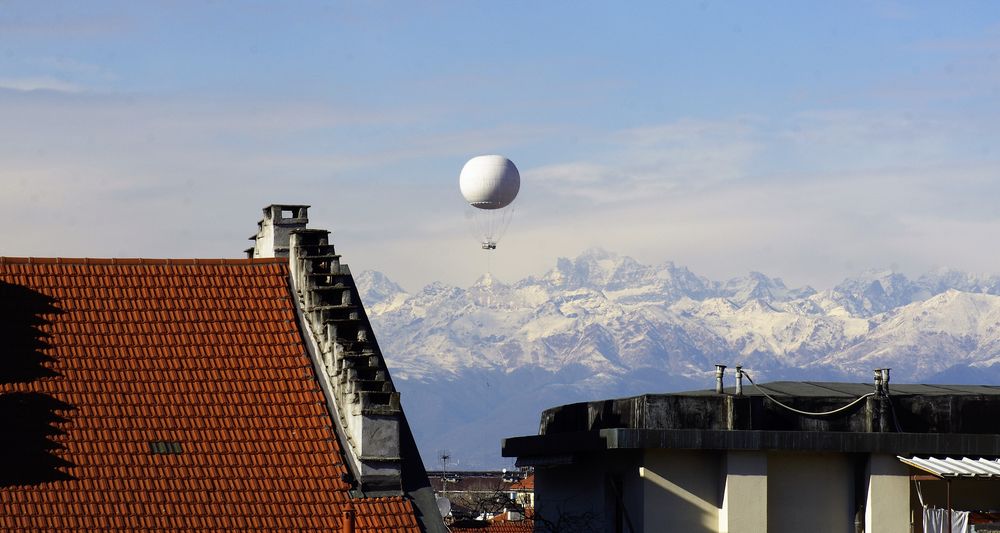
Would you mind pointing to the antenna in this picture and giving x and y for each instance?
(444, 455)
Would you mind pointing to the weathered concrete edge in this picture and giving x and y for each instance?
(415, 484)
(695, 439)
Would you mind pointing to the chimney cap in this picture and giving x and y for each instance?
(276, 212)
(269, 206)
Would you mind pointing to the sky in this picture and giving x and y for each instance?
(807, 140)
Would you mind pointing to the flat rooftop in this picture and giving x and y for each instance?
(810, 389)
(799, 415)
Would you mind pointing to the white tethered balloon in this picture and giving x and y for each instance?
(490, 183)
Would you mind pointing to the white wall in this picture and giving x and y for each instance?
(744, 496)
(810, 492)
(681, 490)
(732, 492)
(887, 506)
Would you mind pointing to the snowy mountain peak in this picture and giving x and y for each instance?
(593, 268)
(375, 287)
(877, 291)
(757, 286)
(486, 280)
(944, 278)
(603, 325)
(927, 337)
(596, 254)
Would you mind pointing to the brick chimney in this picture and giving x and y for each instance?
(274, 229)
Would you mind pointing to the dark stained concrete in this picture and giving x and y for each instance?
(910, 419)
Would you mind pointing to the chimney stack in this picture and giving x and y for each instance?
(274, 230)
(739, 380)
(720, 370)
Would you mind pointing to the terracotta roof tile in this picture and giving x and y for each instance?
(105, 356)
(526, 484)
(515, 526)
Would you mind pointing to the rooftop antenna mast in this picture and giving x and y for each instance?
(444, 455)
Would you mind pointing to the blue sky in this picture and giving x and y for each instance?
(808, 140)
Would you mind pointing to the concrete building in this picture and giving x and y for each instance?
(763, 459)
(202, 394)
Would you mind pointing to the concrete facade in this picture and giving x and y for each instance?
(680, 490)
(707, 462)
(887, 506)
(810, 492)
(598, 496)
(735, 492)
(744, 487)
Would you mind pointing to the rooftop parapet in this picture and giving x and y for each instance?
(352, 370)
(966, 409)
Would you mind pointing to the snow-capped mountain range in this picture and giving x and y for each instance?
(479, 364)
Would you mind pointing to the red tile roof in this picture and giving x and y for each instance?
(525, 485)
(104, 363)
(517, 526)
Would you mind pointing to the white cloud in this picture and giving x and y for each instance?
(652, 161)
(813, 198)
(810, 198)
(41, 83)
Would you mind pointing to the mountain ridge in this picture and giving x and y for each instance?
(602, 325)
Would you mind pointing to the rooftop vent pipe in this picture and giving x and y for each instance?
(720, 370)
(885, 379)
(739, 380)
(878, 381)
(347, 523)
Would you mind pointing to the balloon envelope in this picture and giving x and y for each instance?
(489, 182)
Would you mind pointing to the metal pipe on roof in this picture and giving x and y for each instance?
(739, 380)
(347, 526)
(720, 370)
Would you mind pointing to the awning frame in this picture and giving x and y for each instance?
(956, 468)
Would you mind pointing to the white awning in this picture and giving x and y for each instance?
(967, 467)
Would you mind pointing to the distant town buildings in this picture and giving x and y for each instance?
(479, 498)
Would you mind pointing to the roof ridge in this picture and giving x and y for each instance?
(139, 261)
